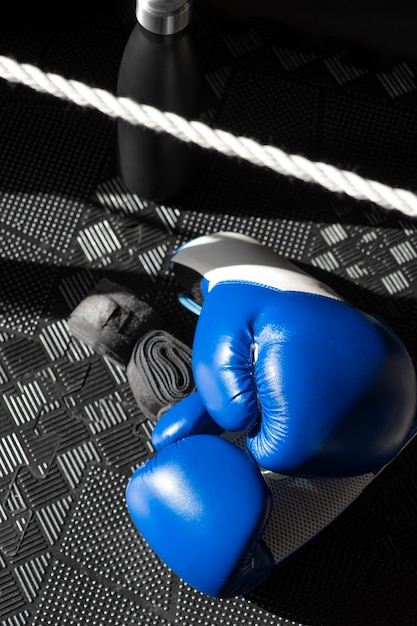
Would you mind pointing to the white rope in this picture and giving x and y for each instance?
(273, 158)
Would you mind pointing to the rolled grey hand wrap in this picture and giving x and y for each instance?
(111, 320)
(159, 373)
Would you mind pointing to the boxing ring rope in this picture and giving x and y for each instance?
(292, 165)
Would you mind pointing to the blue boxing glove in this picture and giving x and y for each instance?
(321, 388)
(202, 505)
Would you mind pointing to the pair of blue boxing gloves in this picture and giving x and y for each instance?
(319, 388)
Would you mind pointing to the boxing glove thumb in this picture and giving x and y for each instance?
(202, 505)
(188, 417)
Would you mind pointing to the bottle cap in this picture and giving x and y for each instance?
(163, 17)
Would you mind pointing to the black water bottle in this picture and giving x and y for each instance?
(159, 67)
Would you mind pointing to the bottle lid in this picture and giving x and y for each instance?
(164, 17)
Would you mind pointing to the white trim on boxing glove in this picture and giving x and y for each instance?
(281, 278)
(232, 257)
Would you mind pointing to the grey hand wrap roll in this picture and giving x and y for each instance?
(159, 373)
(111, 320)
